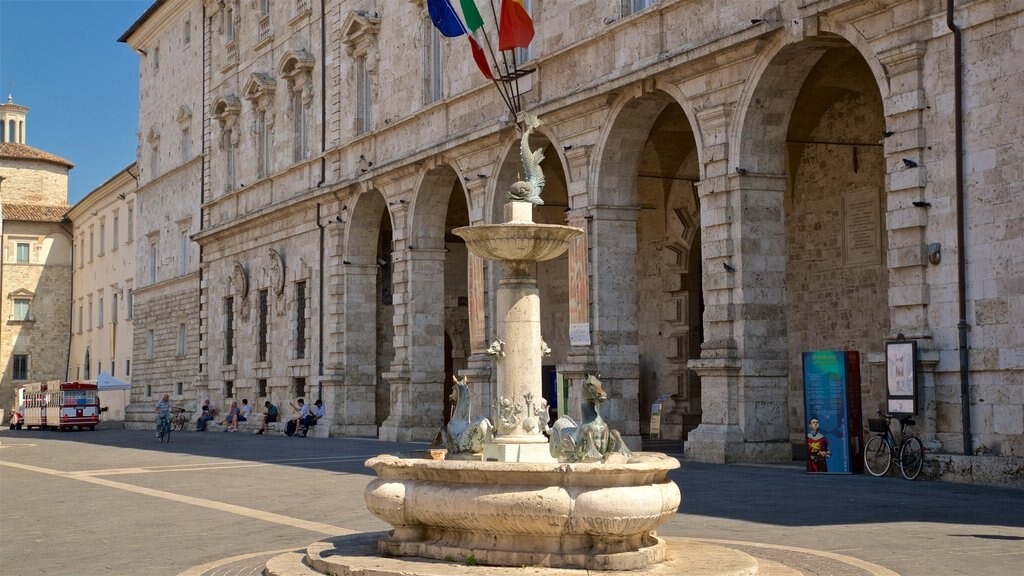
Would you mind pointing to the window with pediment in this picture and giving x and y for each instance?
(225, 111)
(259, 91)
(21, 305)
(153, 138)
(184, 120)
(359, 36)
(296, 67)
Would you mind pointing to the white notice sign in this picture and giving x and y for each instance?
(579, 334)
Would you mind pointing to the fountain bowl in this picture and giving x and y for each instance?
(596, 516)
(517, 241)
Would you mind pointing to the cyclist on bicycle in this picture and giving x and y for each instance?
(163, 414)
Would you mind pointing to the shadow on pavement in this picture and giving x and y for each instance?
(772, 495)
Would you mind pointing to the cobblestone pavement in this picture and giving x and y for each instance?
(117, 502)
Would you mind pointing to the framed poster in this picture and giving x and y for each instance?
(826, 411)
(901, 376)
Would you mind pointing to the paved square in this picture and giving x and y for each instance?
(117, 502)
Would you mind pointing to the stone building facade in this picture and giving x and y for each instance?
(35, 265)
(103, 280)
(166, 295)
(755, 180)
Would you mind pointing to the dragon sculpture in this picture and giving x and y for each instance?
(464, 434)
(529, 190)
(592, 440)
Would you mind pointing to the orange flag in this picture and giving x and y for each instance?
(515, 28)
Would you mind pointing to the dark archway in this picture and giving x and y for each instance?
(645, 251)
(813, 128)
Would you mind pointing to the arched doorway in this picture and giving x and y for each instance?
(368, 302)
(814, 167)
(645, 251)
(439, 297)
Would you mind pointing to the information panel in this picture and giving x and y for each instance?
(832, 411)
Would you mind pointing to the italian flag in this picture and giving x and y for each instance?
(515, 28)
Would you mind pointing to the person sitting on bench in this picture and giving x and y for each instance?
(315, 414)
(269, 416)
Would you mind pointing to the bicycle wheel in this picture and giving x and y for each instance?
(911, 457)
(877, 456)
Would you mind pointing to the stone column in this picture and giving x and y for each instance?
(417, 377)
(612, 235)
(478, 366)
(355, 401)
(517, 355)
(907, 224)
(743, 369)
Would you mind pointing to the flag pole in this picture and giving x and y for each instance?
(506, 98)
(516, 109)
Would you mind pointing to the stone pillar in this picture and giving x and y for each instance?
(517, 354)
(355, 402)
(907, 256)
(743, 367)
(614, 323)
(417, 377)
(478, 366)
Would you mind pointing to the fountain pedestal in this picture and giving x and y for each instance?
(520, 506)
(520, 414)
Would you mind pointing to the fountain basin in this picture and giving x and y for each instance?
(599, 516)
(517, 241)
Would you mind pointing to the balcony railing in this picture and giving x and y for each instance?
(265, 30)
(231, 53)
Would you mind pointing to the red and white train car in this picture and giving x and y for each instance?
(61, 405)
(34, 413)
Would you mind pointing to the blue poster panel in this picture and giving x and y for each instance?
(825, 408)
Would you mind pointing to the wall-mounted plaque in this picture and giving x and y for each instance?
(862, 234)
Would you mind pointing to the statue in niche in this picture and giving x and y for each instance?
(529, 190)
(463, 433)
(591, 440)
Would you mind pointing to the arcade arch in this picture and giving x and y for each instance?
(646, 265)
(813, 163)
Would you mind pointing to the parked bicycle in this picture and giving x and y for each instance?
(884, 446)
(180, 418)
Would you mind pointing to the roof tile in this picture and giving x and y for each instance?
(35, 212)
(23, 152)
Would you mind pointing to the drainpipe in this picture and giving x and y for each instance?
(961, 207)
(323, 177)
(320, 302)
(71, 312)
(323, 116)
(202, 191)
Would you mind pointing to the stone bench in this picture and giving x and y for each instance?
(321, 430)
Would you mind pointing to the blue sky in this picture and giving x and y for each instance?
(81, 84)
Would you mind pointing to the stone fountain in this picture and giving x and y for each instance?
(521, 501)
